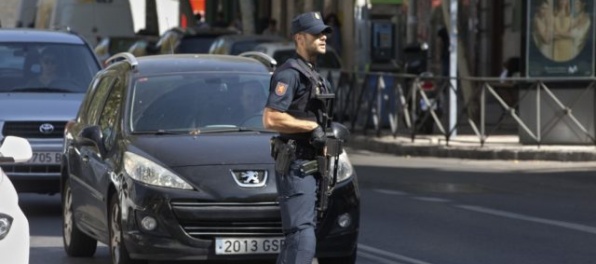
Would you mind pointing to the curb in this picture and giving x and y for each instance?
(492, 152)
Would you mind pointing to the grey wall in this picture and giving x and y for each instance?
(8, 12)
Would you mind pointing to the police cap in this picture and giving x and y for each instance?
(309, 22)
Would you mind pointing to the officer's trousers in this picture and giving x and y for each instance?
(297, 198)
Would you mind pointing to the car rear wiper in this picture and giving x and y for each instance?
(42, 89)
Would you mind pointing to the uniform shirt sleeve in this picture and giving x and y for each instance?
(282, 88)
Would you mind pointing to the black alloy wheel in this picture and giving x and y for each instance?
(76, 243)
(118, 252)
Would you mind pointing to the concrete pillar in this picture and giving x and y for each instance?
(347, 33)
(290, 13)
(277, 14)
(412, 22)
(308, 6)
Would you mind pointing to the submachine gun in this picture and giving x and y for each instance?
(328, 163)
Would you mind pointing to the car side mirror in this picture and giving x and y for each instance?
(94, 135)
(15, 150)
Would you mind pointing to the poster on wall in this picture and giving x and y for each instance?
(560, 39)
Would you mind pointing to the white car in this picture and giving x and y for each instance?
(14, 226)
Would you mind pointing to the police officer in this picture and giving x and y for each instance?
(294, 112)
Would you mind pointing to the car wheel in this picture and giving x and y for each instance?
(118, 251)
(76, 243)
(351, 259)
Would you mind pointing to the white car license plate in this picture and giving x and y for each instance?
(45, 158)
(248, 245)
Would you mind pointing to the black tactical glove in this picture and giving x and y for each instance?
(318, 138)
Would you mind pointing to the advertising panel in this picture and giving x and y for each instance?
(560, 39)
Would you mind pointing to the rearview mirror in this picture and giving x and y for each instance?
(15, 149)
(94, 135)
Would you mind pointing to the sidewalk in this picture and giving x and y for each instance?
(501, 147)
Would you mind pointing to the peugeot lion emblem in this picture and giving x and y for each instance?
(250, 178)
(46, 128)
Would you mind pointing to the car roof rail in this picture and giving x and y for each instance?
(263, 58)
(127, 56)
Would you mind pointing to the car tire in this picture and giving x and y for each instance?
(76, 243)
(351, 259)
(118, 252)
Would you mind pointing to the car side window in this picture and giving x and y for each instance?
(97, 99)
(109, 114)
(82, 114)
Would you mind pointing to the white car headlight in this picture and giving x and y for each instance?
(5, 224)
(344, 167)
(144, 170)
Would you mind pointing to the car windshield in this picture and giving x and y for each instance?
(44, 67)
(210, 101)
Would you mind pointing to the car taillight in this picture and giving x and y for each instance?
(427, 85)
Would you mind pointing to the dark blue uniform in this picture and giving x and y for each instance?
(291, 92)
(292, 89)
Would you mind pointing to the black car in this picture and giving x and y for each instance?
(167, 159)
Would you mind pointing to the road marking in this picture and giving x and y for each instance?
(390, 192)
(377, 259)
(44, 241)
(431, 199)
(389, 256)
(572, 226)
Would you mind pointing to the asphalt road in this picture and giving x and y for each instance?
(433, 211)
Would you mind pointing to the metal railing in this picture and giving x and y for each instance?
(388, 101)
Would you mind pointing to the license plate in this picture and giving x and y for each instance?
(424, 107)
(45, 158)
(255, 245)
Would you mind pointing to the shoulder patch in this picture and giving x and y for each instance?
(281, 88)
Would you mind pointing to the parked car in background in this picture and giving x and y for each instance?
(236, 44)
(43, 78)
(168, 160)
(110, 46)
(14, 226)
(189, 40)
(144, 47)
(330, 63)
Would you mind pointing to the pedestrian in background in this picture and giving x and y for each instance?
(199, 23)
(220, 21)
(293, 110)
(271, 28)
(334, 38)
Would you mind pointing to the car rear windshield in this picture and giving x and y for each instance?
(33, 67)
(120, 44)
(243, 46)
(196, 44)
(329, 60)
(190, 101)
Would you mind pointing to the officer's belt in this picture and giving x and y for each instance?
(304, 150)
